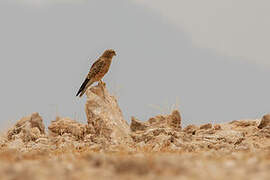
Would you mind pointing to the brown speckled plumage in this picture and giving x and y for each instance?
(97, 71)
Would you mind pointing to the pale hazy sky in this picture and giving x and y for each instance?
(210, 57)
(232, 27)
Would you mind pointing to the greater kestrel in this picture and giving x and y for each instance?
(97, 71)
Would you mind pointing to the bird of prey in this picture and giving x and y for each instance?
(97, 71)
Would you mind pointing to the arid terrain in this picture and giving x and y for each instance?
(107, 147)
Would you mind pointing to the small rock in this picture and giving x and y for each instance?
(174, 120)
(243, 123)
(206, 126)
(137, 125)
(230, 136)
(166, 121)
(190, 129)
(28, 128)
(157, 121)
(265, 121)
(36, 121)
(61, 126)
(217, 127)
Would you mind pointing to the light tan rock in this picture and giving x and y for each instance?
(36, 121)
(61, 126)
(158, 133)
(230, 136)
(158, 121)
(174, 120)
(191, 129)
(206, 126)
(265, 121)
(148, 136)
(217, 127)
(28, 128)
(166, 121)
(137, 125)
(264, 132)
(243, 123)
(104, 114)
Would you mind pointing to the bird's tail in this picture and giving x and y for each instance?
(83, 91)
(87, 82)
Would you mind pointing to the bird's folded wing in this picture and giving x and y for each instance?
(96, 68)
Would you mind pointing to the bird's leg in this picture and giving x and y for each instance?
(101, 83)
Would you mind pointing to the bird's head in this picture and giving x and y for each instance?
(109, 53)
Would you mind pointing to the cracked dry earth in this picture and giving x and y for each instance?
(107, 147)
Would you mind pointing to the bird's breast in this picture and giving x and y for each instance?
(107, 66)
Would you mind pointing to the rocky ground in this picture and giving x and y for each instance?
(107, 147)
